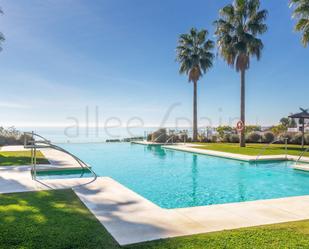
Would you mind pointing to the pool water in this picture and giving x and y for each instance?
(174, 179)
(63, 174)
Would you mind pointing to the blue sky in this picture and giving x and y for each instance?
(61, 56)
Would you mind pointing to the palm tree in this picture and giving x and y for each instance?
(194, 53)
(237, 32)
(301, 12)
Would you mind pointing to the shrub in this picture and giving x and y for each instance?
(226, 138)
(268, 137)
(183, 137)
(10, 136)
(224, 130)
(253, 137)
(159, 136)
(149, 136)
(278, 129)
(252, 128)
(234, 138)
(286, 135)
(173, 138)
(307, 139)
(296, 139)
(203, 139)
(214, 139)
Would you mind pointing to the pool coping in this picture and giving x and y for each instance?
(57, 160)
(130, 218)
(302, 165)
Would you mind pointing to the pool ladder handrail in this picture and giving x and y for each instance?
(159, 137)
(32, 134)
(301, 155)
(171, 138)
(265, 147)
(82, 164)
(34, 145)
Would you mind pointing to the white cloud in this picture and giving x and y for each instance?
(14, 105)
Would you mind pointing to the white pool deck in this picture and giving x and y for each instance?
(130, 218)
(193, 148)
(58, 160)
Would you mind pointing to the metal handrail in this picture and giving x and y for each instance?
(265, 147)
(32, 134)
(47, 144)
(80, 162)
(159, 137)
(302, 154)
(166, 142)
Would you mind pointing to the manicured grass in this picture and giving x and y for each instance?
(12, 158)
(49, 219)
(291, 235)
(252, 149)
(58, 219)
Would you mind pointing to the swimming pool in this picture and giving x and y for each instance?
(175, 179)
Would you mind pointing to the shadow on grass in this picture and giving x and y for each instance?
(58, 219)
(19, 160)
(49, 219)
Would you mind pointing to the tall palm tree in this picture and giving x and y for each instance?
(301, 12)
(194, 53)
(237, 32)
(1, 35)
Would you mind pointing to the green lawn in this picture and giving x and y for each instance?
(292, 235)
(252, 149)
(12, 158)
(49, 219)
(58, 219)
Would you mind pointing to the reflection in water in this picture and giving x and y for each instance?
(156, 150)
(241, 188)
(194, 170)
(240, 182)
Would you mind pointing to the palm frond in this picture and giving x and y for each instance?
(237, 32)
(194, 54)
(301, 12)
(305, 38)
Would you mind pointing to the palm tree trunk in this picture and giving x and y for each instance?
(195, 111)
(242, 107)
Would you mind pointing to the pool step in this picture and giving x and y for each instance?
(303, 167)
(42, 168)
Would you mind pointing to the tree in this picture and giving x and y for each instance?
(301, 13)
(222, 130)
(194, 53)
(252, 128)
(278, 129)
(237, 32)
(288, 122)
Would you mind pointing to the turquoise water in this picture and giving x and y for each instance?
(63, 174)
(174, 179)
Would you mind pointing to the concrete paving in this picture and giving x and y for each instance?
(194, 149)
(13, 148)
(130, 218)
(58, 160)
(144, 142)
(303, 167)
